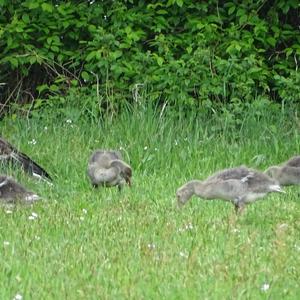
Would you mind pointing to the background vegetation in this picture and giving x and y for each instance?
(182, 88)
(183, 53)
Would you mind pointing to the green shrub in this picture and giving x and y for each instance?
(182, 52)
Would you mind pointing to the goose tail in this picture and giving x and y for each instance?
(276, 188)
(31, 166)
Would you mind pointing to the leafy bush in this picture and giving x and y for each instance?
(182, 52)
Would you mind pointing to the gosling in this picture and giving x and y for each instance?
(287, 173)
(239, 185)
(13, 192)
(106, 168)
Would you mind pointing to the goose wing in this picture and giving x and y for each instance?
(234, 173)
(104, 157)
(10, 153)
(261, 183)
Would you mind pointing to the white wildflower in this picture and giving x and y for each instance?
(84, 211)
(189, 226)
(68, 121)
(183, 254)
(6, 243)
(45, 128)
(8, 212)
(81, 218)
(265, 287)
(145, 148)
(186, 227)
(32, 142)
(18, 297)
(35, 215)
(151, 246)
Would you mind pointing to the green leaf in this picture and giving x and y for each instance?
(90, 56)
(240, 12)
(47, 7)
(288, 52)
(85, 76)
(231, 10)
(32, 60)
(42, 88)
(189, 50)
(33, 4)
(19, 28)
(54, 88)
(92, 28)
(159, 60)
(26, 18)
(116, 54)
(243, 19)
(13, 61)
(54, 48)
(49, 40)
(271, 41)
(74, 82)
(161, 12)
(179, 3)
(237, 47)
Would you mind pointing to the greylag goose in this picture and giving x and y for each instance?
(287, 173)
(106, 168)
(9, 153)
(11, 191)
(239, 185)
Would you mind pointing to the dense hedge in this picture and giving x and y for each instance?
(180, 51)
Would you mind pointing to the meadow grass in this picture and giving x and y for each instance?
(135, 244)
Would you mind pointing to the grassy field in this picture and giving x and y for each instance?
(81, 243)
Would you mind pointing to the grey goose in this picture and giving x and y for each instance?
(239, 185)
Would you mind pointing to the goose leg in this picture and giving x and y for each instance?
(239, 205)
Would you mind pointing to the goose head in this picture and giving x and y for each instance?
(124, 170)
(185, 192)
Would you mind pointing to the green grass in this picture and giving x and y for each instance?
(102, 244)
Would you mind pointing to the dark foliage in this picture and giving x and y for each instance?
(184, 52)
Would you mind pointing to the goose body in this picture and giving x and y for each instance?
(106, 168)
(11, 191)
(9, 153)
(239, 185)
(287, 173)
